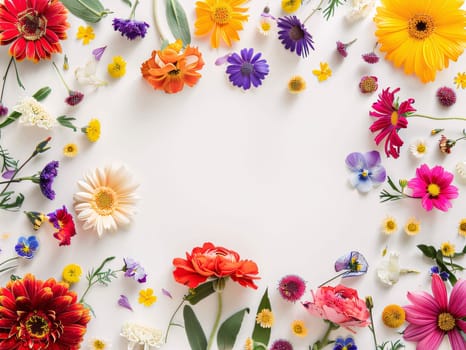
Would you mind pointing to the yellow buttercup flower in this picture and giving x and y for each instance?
(299, 328)
(72, 273)
(220, 18)
(265, 318)
(290, 6)
(421, 35)
(70, 150)
(324, 72)
(86, 34)
(393, 316)
(448, 249)
(147, 297)
(92, 130)
(460, 80)
(117, 68)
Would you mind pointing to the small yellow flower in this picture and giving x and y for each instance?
(117, 68)
(265, 318)
(99, 344)
(393, 316)
(147, 297)
(299, 328)
(448, 249)
(92, 130)
(72, 273)
(86, 34)
(249, 344)
(389, 225)
(460, 80)
(412, 227)
(70, 150)
(462, 227)
(296, 84)
(290, 6)
(323, 73)
(264, 26)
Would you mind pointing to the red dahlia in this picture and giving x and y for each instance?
(37, 314)
(34, 28)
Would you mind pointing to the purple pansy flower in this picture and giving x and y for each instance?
(354, 263)
(344, 344)
(294, 36)
(134, 269)
(130, 28)
(27, 246)
(247, 68)
(366, 170)
(46, 177)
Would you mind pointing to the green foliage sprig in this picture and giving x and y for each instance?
(88, 10)
(329, 11)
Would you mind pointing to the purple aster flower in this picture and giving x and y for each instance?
(344, 344)
(281, 344)
(133, 269)
(3, 110)
(354, 263)
(46, 177)
(130, 28)
(366, 170)
(294, 36)
(291, 287)
(124, 302)
(247, 68)
(27, 246)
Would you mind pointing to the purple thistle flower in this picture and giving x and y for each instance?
(74, 98)
(3, 110)
(130, 28)
(26, 247)
(291, 287)
(446, 96)
(294, 36)
(134, 269)
(124, 302)
(281, 344)
(46, 177)
(370, 57)
(354, 263)
(247, 68)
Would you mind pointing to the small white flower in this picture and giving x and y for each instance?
(99, 344)
(265, 25)
(389, 271)
(142, 335)
(360, 9)
(461, 170)
(34, 113)
(418, 148)
(86, 75)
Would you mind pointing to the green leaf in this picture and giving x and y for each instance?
(200, 292)
(67, 122)
(127, 2)
(427, 250)
(229, 330)
(42, 93)
(177, 21)
(259, 334)
(439, 259)
(196, 337)
(88, 10)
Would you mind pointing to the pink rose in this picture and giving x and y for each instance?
(340, 305)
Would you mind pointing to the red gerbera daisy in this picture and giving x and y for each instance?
(34, 27)
(37, 314)
(391, 117)
(63, 221)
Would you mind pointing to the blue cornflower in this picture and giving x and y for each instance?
(294, 35)
(27, 246)
(444, 275)
(354, 263)
(130, 28)
(46, 177)
(134, 269)
(366, 170)
(345, 344)
(247, 68)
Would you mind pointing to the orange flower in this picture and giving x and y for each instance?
(210, 261)
(169, 70)
(34, 28)
(37, 314)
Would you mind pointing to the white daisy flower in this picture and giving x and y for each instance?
(418, 148)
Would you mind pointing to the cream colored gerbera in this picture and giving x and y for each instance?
(106, 198)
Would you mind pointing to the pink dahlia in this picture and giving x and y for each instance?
(391, 117)
(431, 317)
(434, 187)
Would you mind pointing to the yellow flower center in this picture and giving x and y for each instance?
(31, 25)
(105, 201)
(37, 326)
(463, 226)
(420, 26)
(364, 173)
(296, 84)
(412, 227)
(98, 344)
(221, 14)
(394, 118)
(265, 26)
(433, 189)
(421, 148)
(446, 322)
(297, 328)
(391, 225)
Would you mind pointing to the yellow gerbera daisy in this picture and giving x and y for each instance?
(421, 35)
(222, 18)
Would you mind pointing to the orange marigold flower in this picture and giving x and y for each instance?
(33, 28)
(169, 70)
(38, 314)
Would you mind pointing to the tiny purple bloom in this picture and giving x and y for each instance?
(47, 175)
(222, 59)
(166, 293)
(130, 28)
(370, 57)
(354, 263)
(291, 287)
(366, 170)
(27, 246)
(294, 35)
(8, 174)
(446, 96)
(341, 47)
(247, 69)
(3, 110)
(124, 302)
(74, 98)
(133, 269)
(98, 52)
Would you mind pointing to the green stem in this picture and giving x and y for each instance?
(8, 260)
(434, 118)
(17, 76)
(325, 341)
(4, 77)
(133, 9)
(98, 14)
(61, 77)
(170, 322)
(371, 327)
(333, 278)
(157, 20)
(16, 172)
(461, 138)
(217, 321)
(319, 7)
(30, 178)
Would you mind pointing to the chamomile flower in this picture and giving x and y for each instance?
(265, 26)
(265, 318)
(418, 148)
(70, 150)
(412, 226)
(389, 225)
(299, 328)
(99, 344)
(462, 227)
(448, 249)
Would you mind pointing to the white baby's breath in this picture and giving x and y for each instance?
(33, 113)
(360, 9)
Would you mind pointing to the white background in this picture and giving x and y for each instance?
(261, 172)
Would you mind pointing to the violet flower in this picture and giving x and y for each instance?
(366, 170)
(247, 68)
(124, 302)
(46, 177)
(294, 35)
(130, 28)
(134, 269)
(353, 263)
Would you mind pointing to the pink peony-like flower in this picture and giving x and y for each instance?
(434, 187)
(340, 305)
(431, 317)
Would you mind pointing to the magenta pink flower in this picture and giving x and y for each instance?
(431, 317)
(391, 117)
(434, 187)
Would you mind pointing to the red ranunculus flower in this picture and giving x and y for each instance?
(340, 305)
(210, 261)
(37, 314)
(34, 28)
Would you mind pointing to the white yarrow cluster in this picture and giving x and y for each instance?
(360, 9)
(142, 335)
(33, 113)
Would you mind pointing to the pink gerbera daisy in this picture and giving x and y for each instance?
(434, 187)
(431, 317)
(391, 117)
